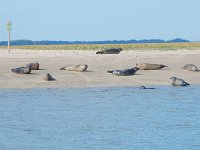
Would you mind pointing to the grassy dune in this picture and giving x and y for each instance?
(147, 46)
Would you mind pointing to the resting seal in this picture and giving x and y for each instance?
(48, 77)
(146, 66)
(22, 70)
(143, 87)
(33, 66)
(79, 68)
(190, 67)
(125, 72)
(110, 51)
(178, 82)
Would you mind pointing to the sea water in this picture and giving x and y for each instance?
(126, 118)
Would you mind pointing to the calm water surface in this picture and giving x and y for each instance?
(166, 118)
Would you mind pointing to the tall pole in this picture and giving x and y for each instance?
(9, 28)
(9, 42)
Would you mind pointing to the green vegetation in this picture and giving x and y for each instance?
(146, 46)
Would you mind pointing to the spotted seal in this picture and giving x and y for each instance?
(125, 72)
(178, 82)
(190, 67)
(33, 66)
(147, 66)
(78, 68)
(110, 51)
(48, 77)
(22, 70)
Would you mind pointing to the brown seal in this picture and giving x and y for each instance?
(78, 68)
(33, 66)
(147, 66)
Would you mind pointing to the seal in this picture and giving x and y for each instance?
(147, 66)
(125, 72)
(190, 67)
(78, 68)
(110, 51)
(48, 77)
(33, 66)
(178, 82)
(143, 87)
(22, 70)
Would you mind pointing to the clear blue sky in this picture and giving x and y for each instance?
(91, 20)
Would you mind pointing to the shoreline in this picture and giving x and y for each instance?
(96, 75)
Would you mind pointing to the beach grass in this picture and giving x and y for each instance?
(142, 46)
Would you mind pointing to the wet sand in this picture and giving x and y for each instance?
(96, 75)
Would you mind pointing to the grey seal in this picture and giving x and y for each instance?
(22, 70)
(190, 67)
(148, 66)
(110, 51)
(78, 68)
(125, 72)
(178, 82)
(48, 77)
(143, 87)
(33, 66)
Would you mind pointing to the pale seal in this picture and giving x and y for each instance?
(48, 77)
(78, 68)
(190, 67)
(22, 70)
(147, 66)
(178, 82)
(33, 66)
(125, 72)
(110, 51)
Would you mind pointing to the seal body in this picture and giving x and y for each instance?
(78, 68)
(48, 77)
(33, 66)
(143, 87)
(147, 66)
(22, 70)
(178, 82)
(125, 72)
(190, 67)
(110, 51)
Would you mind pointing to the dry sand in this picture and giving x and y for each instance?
(96, 75)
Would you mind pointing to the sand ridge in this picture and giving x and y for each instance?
(96, 75)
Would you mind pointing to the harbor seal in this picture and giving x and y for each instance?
(33, 66)
(110, 51)
(143, 87)
(125, 72)
(147, 66)
(48, 77)
(22, 70)
(78, 68)
(178, 82)
(190, 67)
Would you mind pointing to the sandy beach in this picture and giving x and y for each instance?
(96, 75)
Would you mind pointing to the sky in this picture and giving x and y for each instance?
(93, 20)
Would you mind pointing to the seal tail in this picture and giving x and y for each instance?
(62, 68)
(99, 53)
(110, 71)
(162, 66)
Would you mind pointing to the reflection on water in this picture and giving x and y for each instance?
(100, 118)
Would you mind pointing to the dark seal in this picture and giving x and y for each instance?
(22, 70)
(125, 72)
(143, 87)
(110, 51)
(48, 77)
